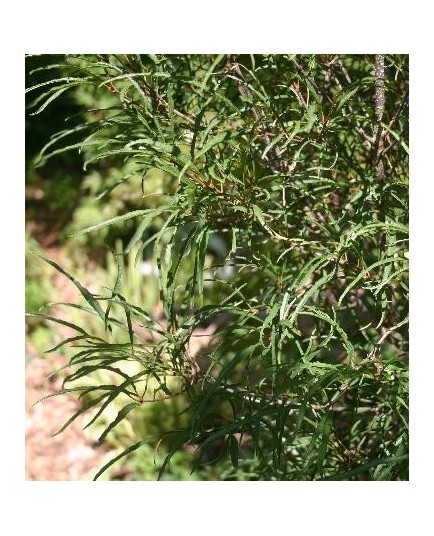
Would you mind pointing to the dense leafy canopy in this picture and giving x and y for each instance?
(279, 220)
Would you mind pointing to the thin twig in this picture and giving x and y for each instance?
(279, 165)
(358, 127)
(310, 78)
(396, 115)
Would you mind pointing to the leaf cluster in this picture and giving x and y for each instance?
(275, 158)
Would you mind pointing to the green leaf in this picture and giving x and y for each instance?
(346, 97)
(214, 64)
(397, 137)
(233, 450)
(124, 453)
(219, 138)
(116, 219)
(325, 428)
(85, 293)
(59, 321)
(120, 417)
(93, 402)
(258, 213)
(362, 274)
(115, 391)
(362, 468)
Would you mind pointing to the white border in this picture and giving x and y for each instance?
(224, 26)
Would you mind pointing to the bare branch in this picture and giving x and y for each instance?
(380, 102)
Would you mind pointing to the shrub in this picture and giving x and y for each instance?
(280, 222)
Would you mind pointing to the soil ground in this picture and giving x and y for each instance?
(67, 456)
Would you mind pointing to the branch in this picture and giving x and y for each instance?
(243, 88)
(380, 101)
(358, 127)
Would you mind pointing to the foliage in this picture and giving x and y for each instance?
(36, 287)
(298, 167)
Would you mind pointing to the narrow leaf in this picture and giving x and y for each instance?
(120, 416)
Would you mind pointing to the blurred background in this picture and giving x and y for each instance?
(63, 198)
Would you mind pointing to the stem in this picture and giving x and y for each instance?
(278, 165)
(380, 101)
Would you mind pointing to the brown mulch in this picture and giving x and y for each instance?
(67, 456)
